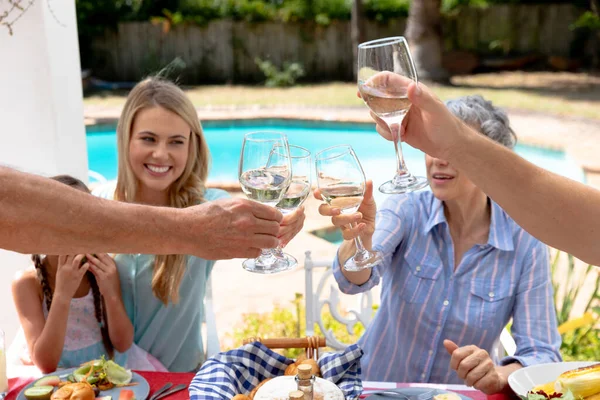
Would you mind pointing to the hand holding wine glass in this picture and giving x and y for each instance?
(342, 184)
(385, 71)
(265, 172)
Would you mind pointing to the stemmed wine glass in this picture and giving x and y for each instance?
(342, 183)
(265, 174)
(385, 69)
(297, 192)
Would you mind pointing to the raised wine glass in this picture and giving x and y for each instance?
(265, 174)
(297, 192)
(342, 183)
(385, 69)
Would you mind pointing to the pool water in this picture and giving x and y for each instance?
(376, 154)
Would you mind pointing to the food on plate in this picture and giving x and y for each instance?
(51, 380)
(546, 387)
(446, 396)
(74, 391)
(280, 388)
(38, 392)
(102, 373)
(582, 382)
(126, 394)
(240, 397)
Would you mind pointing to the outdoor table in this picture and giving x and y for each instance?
(157, 379)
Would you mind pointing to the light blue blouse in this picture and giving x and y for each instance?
(170, 333)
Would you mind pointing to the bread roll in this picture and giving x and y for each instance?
(292, 369)
(74, 391)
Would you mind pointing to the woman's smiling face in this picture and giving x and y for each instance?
(158, 148)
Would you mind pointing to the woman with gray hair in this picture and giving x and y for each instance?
(456, 269)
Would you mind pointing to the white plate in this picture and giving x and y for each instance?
(523, 380)
(141, 390)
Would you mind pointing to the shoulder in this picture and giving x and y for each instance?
(215, 194)
(106, 190)
(26, 283)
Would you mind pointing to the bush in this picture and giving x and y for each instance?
(582, 342)
(275, 78)
(289, 323)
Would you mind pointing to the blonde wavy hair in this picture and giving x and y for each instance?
(186, 191)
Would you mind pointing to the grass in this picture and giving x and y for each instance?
(570, 94)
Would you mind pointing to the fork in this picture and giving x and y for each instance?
(160, 391)
(176, 388)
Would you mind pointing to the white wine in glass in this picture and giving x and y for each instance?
(265, 173)
(342, 184)
(298, 191)
(385, 70)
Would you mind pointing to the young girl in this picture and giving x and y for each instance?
(71, 309)
(163, 161)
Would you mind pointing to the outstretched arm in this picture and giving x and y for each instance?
(38, 215)
(556, 210)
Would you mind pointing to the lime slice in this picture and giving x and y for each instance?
(39, 392)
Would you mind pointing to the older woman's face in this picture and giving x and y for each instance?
(446, 182)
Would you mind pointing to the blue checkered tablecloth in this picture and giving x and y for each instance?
(238, 371)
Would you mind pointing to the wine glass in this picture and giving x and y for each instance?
(265, 175)
(385, 69)
(297, 192)
(342, 183)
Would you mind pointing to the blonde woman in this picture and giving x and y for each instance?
(164, 161)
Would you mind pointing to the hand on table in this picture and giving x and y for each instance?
(475, 367)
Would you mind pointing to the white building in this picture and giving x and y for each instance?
(41, 109)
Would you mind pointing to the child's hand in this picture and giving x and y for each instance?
(105, 270)
(69, 274)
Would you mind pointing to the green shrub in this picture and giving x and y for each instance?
(583, 343)
(275, 78)
(289, 322)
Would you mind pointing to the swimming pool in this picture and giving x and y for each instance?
(376, 154)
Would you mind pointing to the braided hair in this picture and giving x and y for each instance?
(42, 275)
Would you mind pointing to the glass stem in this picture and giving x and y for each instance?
(401, 170)
(360, 248)
(266, 258)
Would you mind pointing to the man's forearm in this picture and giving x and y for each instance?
(38, 215)
(556, 210)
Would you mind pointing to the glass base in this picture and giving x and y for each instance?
(404, 184)
(281, 264)
(364, 260)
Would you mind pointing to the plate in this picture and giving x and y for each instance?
(413, 392)
(141, 390)
(523, 380)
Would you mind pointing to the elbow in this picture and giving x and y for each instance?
(123, 343)
(45, 366)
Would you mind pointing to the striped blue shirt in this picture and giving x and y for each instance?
(425, 300)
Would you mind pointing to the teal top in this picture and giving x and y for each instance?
(170, 333)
